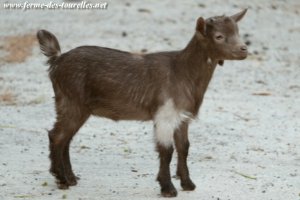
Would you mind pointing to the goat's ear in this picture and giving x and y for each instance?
(201, 26)
(237, 17)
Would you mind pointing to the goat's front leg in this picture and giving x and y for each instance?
(182, 147)
(164, 177)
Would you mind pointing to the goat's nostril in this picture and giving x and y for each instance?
(244, 48)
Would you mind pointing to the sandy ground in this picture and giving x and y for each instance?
(244, 146)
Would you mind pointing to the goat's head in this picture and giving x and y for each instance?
(221, 35)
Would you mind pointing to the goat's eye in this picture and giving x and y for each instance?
(219, 37)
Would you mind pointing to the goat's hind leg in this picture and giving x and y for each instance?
(72, 178)
(69, 120)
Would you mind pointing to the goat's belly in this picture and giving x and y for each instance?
(122, 113)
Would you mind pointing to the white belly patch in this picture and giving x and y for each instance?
(167, 119)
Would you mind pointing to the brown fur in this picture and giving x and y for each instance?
(91, 80)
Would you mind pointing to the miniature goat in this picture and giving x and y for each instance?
(166, 87)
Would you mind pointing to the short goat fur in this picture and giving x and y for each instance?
(166, 87)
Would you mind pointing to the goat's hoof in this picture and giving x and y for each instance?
(168, 191)
(62, 186)
(69, 181)
(188, 185)
(72, 181)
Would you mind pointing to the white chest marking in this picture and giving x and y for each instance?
(167, 119)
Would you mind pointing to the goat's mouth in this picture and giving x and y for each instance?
(239, 55)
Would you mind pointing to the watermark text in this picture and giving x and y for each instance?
(83, 5)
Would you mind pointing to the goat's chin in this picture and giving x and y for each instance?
(240, 56)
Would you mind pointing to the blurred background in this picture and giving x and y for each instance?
(245, 144)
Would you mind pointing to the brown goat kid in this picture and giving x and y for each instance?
(166, 87)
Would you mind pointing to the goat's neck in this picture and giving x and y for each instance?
(195, 61)
(194, 69)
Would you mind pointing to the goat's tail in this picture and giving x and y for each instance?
(49, 45)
